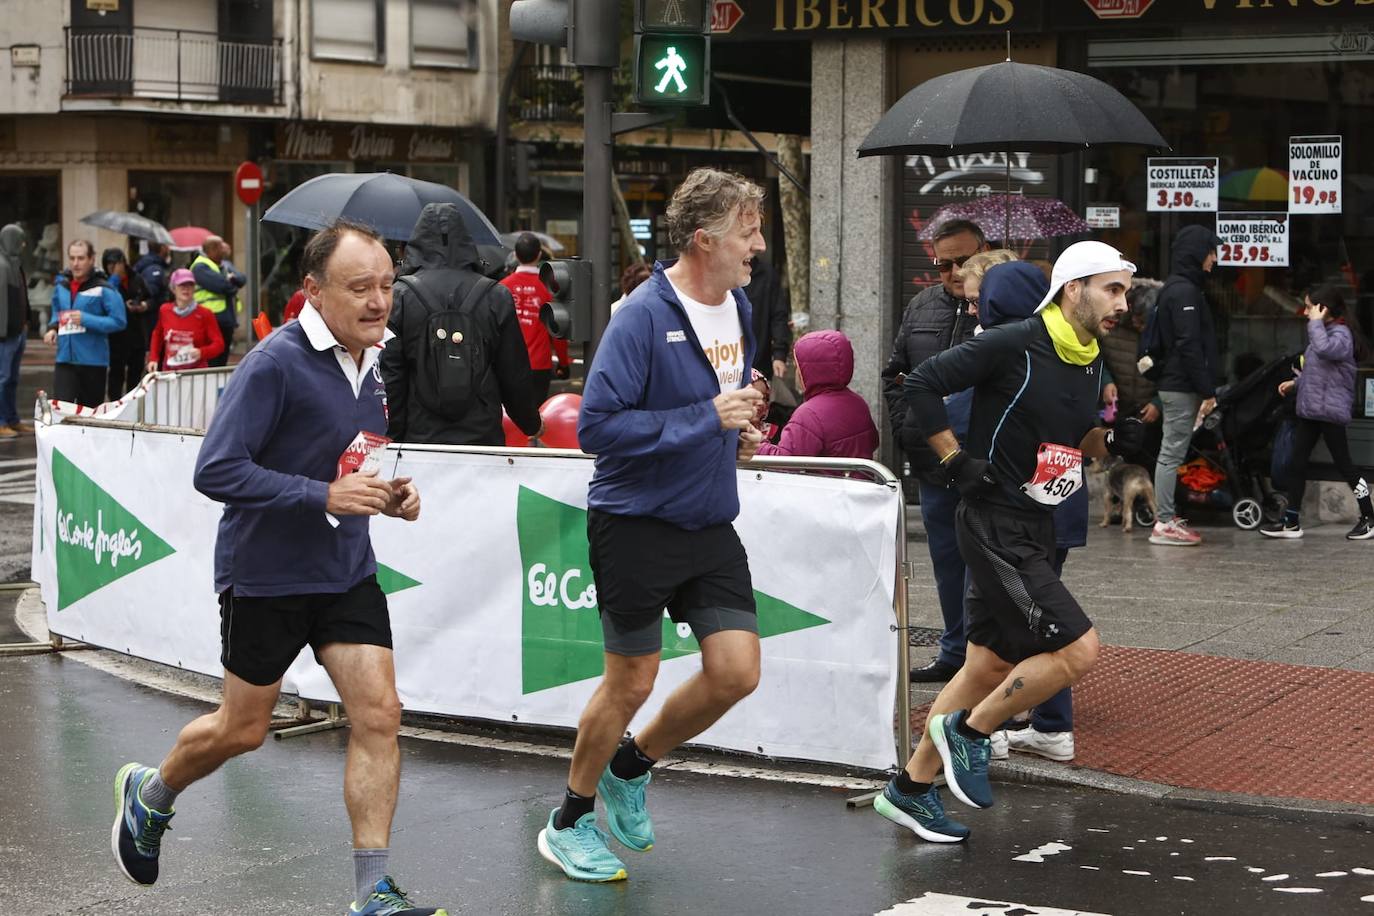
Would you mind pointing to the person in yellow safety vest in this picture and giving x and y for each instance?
(216, 289)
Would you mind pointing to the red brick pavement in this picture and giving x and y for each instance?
(1227, 725)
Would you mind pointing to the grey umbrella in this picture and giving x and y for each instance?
(134, 224)
(1012, 107)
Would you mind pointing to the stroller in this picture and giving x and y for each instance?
(1237, 438)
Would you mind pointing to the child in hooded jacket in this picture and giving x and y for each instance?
(832, 422)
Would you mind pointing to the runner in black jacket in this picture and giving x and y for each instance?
(1036, 385)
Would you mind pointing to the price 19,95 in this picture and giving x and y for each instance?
(1306, 194)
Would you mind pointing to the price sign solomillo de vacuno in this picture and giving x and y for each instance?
(1314, 174)
(1177, 184)
(1252, 239)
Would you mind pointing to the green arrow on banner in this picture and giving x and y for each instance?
(560, 625)
(98, 540)
(393, 581)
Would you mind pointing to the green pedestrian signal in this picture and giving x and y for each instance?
(672, 69)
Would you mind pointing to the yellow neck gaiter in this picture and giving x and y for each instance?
(1066, 339)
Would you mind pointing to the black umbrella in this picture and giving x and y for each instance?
(1009, 106)
(125, 223)
(389, 203)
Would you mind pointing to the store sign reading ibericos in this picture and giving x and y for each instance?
(560, 633)
(98, 540)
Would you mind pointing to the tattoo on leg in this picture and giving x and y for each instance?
(1015, 686)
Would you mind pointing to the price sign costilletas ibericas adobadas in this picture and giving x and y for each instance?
(1176, 185)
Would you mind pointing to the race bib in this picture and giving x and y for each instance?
(181, 349)
(69, 322)
(363, 454)
(1058, 474)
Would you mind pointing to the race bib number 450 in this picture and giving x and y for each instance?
(1058, 474)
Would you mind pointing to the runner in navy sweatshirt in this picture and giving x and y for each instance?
(302, 412)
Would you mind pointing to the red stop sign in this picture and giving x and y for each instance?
(248, 182)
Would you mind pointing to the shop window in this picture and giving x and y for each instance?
(348, 30)
(34, 202)
(443, 33)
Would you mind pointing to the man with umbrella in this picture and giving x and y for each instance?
(935, 320)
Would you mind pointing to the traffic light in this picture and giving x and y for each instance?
(673, 52)
(590, 29)
(569, 315)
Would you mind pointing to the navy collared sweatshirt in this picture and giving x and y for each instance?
(272, 449)
(647, 414)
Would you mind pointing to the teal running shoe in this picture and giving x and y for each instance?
(966, 762)
(136, 839)
(582, 850)
(923, 815)
(625, 813)
(387, 899)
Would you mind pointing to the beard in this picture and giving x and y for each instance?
(1085, 313)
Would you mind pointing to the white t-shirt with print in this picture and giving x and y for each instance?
(718, 329)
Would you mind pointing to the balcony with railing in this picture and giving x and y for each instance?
(172, 64)
(553, 92)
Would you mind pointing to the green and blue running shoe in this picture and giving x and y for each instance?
(966, 762)
(625, 813)
(389, 900)
(924, 815)
(136, 838)
(581, 850)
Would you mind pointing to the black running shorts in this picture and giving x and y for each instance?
(1016, 605)
(643, 565)
(261, 637)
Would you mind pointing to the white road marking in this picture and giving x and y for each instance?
(1183, 878)
(1279, 877)
(1362, 871)
(1257, 871)
(1298, 890)
(1369, 899)
(1221, 859)
(19, 463)
(1127, 871)
(1333, 874)
(930, 904)
(1038, 854)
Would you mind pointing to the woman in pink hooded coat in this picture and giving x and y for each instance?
(832, 422)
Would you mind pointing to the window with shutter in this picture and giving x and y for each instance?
(443, 33)
(346, 30)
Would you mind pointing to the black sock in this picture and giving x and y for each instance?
(629, 761)
(968, 731)
(908, 786)
(574, 806)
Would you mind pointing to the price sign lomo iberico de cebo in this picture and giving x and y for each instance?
(1187, 185)
(1252, 239)
(1314, 174)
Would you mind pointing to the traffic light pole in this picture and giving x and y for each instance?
(596, 196)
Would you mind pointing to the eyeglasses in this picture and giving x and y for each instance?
(945, 267)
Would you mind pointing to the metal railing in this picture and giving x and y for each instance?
(176, 64)
(553, 92)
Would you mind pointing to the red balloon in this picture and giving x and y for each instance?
(514, 437)
(560, 420)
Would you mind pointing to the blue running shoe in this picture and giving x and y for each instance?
(966, 762)
(136, 838)
(924, 815)
(581, 850)
(389, 900)
(625, 814)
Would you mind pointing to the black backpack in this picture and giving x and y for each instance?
(453, 348)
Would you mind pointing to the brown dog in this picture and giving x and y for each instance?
(1121, 485)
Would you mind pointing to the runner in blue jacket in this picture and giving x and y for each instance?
(86, 310)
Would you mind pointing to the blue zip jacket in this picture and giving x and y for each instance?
(647, 414)
(102, 314)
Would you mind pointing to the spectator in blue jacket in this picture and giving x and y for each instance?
(667, 409)
(85, 312)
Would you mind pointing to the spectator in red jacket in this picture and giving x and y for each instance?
(832, 422)
(529, 294)
(187, 335)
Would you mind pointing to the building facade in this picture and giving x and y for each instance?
(150, 106)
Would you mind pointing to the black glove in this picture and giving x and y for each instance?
(1127, 437)
(968, 475)
(562, 371)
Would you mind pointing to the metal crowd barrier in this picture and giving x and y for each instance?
(208, 381)
(183, 399)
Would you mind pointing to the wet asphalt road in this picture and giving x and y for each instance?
(17, 464)
(268, 835)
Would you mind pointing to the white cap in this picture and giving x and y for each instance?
(1083, 259)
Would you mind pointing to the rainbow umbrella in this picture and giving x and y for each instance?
(1255, 184)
